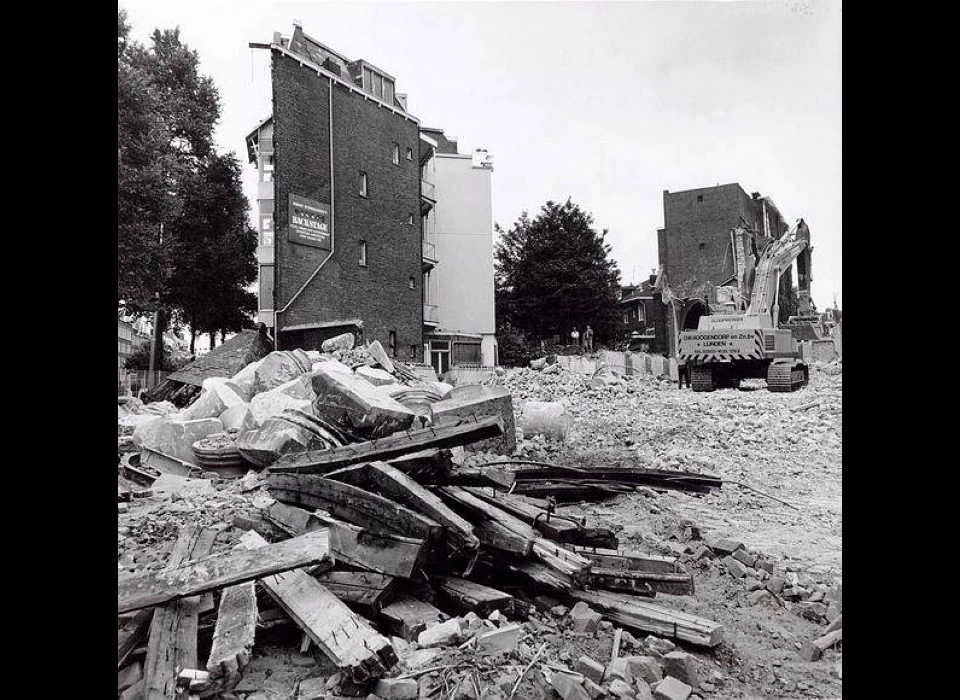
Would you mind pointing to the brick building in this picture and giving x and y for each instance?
(340, 241)
(704, 261)
(644, 317)
(368, 222)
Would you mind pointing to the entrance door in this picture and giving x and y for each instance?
(440, 355)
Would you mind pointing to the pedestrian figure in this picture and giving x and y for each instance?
(588, 339)
(575, 337)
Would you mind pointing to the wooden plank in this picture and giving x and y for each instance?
(633, 476)
(560, 559)
(469, 595)
(813, 650)
(346, 502)
(385, 553)
(428, 466)
(493, 535)
(640, 581)
(173, 631)
(363, 589)
(558, 529)
(233, 635)
(631, 561)
(496, 477)
(344, 637)
(322, 461)
(408, 616)
(631, 612)
(220, 570)
(133, 634)
(394, 484)
(466, 499)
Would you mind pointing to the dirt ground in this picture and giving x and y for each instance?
(786, 445)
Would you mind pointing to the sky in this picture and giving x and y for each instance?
(609, 103)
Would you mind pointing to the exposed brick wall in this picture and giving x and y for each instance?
(363, 138)
(694, 245)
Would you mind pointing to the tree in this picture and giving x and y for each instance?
(553, 273)
(216, 264)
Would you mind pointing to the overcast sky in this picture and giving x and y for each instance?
(607, 102)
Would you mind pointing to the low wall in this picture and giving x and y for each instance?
(626, 363)
(818, 350)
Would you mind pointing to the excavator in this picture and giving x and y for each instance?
(726, 348)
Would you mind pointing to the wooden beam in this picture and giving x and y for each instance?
(132, 634)
(640, 582)
(233, 634)
(631, 612)
(385, 553)
(389, 481)
(496, 477)
(813, 650)
(322, 461)
(487, 511)
(494, 536)
(344, 637)
(363, 508)
(362, 589)
(408, 616)
(173, 632)
(220, 570)
(468, 595)
(630, 561)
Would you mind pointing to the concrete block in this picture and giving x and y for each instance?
(618, 669)
(239, 418)
(621, 689)
(593, 689)
(671, 688)
(591, 669)
(585, 620)
(441, 634)
(775, 584)
(568, 686)
(367, 409)
(344, 341)
(724, 547)
(397, 688)
(681, 666)
(298, 388)
(735, 567)
(499, 640)
(475, 400)
(207, 405)
(742, 556)
(658, 646)
(276, 369)
(175, 438)
(312, 689)
(646, 668)
(272, 403)
(377, 377)
(643, 690)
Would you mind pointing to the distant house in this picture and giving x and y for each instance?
(125, 336)
(644, 317)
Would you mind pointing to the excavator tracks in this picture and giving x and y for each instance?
(784, 376)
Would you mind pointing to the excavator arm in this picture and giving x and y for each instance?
(774, 260)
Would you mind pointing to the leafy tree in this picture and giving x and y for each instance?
(216, 263)
(553, 273)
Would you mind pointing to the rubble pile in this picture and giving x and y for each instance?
(415, 569)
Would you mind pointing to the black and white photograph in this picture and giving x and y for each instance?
(479, 350)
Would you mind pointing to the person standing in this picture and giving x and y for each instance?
(575, 337)
(588, 339)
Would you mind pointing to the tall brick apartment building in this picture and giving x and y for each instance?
(703, 261)
(340, 237)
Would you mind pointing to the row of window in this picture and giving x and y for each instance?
(396, 154)
(362, 261)
(392, 346)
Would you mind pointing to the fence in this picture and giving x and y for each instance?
(626, 363)
(131, 381)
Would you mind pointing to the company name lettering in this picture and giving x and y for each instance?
(310, 223)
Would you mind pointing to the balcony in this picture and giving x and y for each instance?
(429, 254)
(265, 189)
(428, 196)
(431, 314)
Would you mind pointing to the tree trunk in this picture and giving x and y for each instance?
(193, 336)
(213, 339)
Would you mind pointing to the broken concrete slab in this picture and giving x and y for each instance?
(671, 688)
(499, 640)
(735, 567)
(658, 646)
(590, 668)
(278, 368)
(546, 418)
(775, 584)
(477, 401)
(174, 484)
(646, 668)
(272, 403)
(377, 377)
(643, 690)
(239, 418)
(441, 634)
(568, 686)
(745, 558)
(621, 689)
(397, 688)
(585, 619)
(725, 547)
(278, 436)
(175, 438)
(352, 401)
(618, 669)
(681, 666)
(380, 355)
(344, 341)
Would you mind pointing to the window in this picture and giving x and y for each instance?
(393, 343)
(363, 254)
(409, 153)
(626, 316)
(699, 198)
(266, 230)
(413, 283)
(396, 154)
(363, 184)
(410, 218)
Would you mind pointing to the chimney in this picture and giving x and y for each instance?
(297, 24)
(402, 99)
